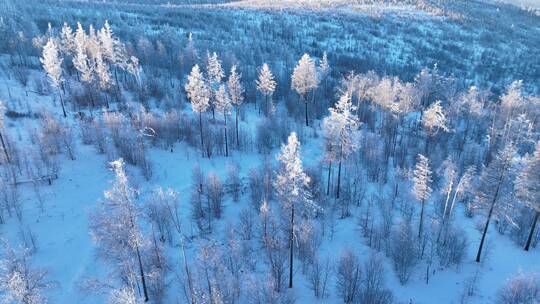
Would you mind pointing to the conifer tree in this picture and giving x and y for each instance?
(291, 185)
(340, 133)
(305, 79)
(199, 95)
(266, 85)
(421, 186)
(433, 121)
(67, 39)
(115, 227)
(236, 91)
(223, 105)
(52, 64)
(494, 186)
(528, 188)
(215, 74)
(324, 71)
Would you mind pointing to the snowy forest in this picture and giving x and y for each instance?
(269, 151)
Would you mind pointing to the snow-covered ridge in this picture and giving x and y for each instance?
(533, 4)
(407, 7)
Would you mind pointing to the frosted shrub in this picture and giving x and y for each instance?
(403, 252)
(372, 287)
(318, 276)
(452, 249)
(348, 276)
(234, 183)
(264, 137)
(246, 223)
(215, 194)
(522, 288)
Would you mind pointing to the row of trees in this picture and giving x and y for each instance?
(91, 56)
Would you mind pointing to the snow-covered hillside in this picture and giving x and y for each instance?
(523, 3)
(269, 152)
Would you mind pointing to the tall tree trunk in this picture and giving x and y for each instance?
(531, 233)
(426, 147)
(143, 280)
(117, 87)
(339, 171)
(495, 196)
(291, 246)
(329, 173)
(338, 178)
(266, 109)
(443, 221)
(62, 103)
(421, 225)
(5, 148)
(486, 226)
(237, 136)
(188, 274)
(226, 141)
(201, 129)
(307, 121)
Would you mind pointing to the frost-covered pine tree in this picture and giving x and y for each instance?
(513, 99)
(291, 185)
(80, 37)
(434, 118)
(102, 71)
(266, 85)
(190, 51)
(199, 95)
(421, 186)
(214, 74)
(80, 59)
(324, 70)
(236, 91)
(114, 53)
(494, 186)
(512, 105)
(2, 118)
(223, 105)
(116, 230)
(67, 39)
(304, 79)
(528, 188)
(52, 64)
(433, 121)
(213, 69)
(106, 40)
(340, 134)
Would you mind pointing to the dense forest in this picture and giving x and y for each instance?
(206, 151)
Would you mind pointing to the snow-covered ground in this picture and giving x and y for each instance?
(65, 248)
(56, 216)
